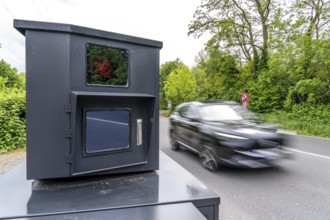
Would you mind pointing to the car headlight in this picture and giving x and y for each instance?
(230, 136)
(282, 131)
(246, 131)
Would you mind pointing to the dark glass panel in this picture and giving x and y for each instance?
(106, 130)
(107, 66)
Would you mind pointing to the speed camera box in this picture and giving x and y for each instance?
(92, 101)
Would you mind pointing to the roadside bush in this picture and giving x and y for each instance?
(309, 91)
(12, 120)
(305, 119)
(269, 91)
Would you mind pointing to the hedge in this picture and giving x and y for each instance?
(305, 119)
(12, 121)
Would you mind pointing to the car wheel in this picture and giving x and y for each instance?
(208, 161)
(174, 144)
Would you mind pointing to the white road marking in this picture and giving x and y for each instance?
(115, 122)
(316, 155)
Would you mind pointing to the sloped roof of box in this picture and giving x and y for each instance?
(24, 25)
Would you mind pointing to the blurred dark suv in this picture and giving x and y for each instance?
(225, 133)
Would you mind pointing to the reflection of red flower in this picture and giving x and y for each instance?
(105, 70)
(102, 67)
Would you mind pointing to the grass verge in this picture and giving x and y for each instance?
(301, 126)
(164, 113)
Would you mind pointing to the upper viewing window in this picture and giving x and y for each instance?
(107, 66)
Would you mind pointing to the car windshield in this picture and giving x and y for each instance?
(226, 113)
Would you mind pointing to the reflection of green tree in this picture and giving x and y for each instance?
(107, 66)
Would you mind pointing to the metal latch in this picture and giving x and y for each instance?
(68, 108)
(69, 158)
(68, 133)
(139, 132)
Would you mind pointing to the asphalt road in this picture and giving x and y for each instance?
(296, 189)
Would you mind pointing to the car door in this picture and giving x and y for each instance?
(181, 125)
(190, 127)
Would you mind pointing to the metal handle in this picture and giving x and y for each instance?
(139, 132)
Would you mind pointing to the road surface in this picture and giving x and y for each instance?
(296, 189)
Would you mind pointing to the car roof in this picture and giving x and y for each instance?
(217, 102)
(203, 103)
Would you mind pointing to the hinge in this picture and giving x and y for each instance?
(68, 133)
(69, 158)
(68, 108)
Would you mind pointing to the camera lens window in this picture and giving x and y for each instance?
(107, 66)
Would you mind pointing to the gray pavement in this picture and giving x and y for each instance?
(295, 189)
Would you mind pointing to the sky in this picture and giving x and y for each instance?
(161, 20)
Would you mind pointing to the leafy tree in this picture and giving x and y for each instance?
(204, 84)
(271, 89)
(180, 86)
(281, 28)
(278, 51)
(201, 57)
(321, 62)
(312, 17)
(165, 71)
(240, 26)
(3, 84)
(221, 76)
(307, 91)
(22, 79)
(310, 24)
(11, 74)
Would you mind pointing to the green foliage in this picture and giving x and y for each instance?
(22, 79)
(12, 108)
(165, 71)
(204, 83)
(180, 86)
(305, 119)
(11, 74)
(308, 90)
(240, 27)
(269, 92)
(218, 76)
(3, 82)
(312, 17)
(12, 119)
(277, 51)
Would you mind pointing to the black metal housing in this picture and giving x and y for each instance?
(58, 94)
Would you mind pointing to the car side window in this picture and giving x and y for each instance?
(182, 111)
(187, 112)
